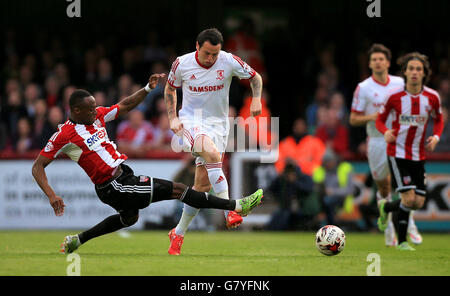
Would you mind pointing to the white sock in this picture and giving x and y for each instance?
(186, 218)
(218, 180)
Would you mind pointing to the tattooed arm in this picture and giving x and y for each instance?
(170, 97)
(129, 103)
(256, 84)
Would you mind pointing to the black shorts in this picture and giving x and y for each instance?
(407, 174)
(130, 192)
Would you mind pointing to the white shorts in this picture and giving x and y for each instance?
(193, 131)
(376, 154)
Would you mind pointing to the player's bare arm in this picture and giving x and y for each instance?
(38, 171)
(357, 119)
(129, 103)
(256, 85)
(170, 98)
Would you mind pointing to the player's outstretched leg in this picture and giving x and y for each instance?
(70, 244)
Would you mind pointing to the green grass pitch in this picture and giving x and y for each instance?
(222, 253)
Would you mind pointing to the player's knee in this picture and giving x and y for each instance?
(129, 217)
(420, 201)
(212, 157)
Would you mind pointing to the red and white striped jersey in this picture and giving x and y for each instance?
(411, 114)
(88, 145)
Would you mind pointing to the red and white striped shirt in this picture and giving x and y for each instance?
(88, 145)
(411, 116)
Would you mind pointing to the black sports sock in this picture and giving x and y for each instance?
(395, 220)
(204, 200)
(110, 224)
(403, 219)
(392, 206)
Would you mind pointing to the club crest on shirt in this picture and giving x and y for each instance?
(220, 74)
(406, 180)
(49, 147)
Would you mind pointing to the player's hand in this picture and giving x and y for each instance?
(389, 136)
(57, 204)
(154, 80)
(255, 107)
(431, 143)
(176, 126)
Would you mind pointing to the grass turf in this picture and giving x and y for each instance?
(227, 253)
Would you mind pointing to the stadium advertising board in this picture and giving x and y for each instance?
(23, 205)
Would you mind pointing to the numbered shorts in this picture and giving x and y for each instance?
(192, 132)
(407, 175)
(376, 154)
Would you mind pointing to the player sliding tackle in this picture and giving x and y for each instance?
(84, 139)
(205, 76)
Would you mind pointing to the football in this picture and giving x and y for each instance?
(330, 240)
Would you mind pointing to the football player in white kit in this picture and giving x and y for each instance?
(368, 97)
(205, 77)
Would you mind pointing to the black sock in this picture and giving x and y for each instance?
(204, 200)
(395, 221)
(110, 224)
(403, 219)
(392, 206)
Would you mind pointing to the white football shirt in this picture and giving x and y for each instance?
(370, 95)
(206, 89)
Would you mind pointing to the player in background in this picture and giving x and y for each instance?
(84, 139)
(367, 99)
(205, 77)
(411, 107)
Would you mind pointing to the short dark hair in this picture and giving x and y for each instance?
(378, 47)
(212, 35)
(77, 97)
(404, 60)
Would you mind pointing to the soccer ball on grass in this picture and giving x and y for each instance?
(330, 240)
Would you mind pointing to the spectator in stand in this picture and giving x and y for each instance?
(257, 138)
(148, 105)
(12, 112)
(337, 102)
(163, 133)
(124, 85)
(334, 184)
(104, 80)
(320, 98)
(52, 88)
(333, 133)
(245, 44)
(39, 119)
(55, 117)
(67, 91)
(135, 136)
(23, 141)
(444, 92)
(288, 189)
(304, 149)
(31, 94)
(62, 74)
(26, 76)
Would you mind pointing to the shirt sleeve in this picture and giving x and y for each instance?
(174, 78)
(105, 114)
(241, 69)
(54, 145)
(359, 101)
(438, 125)
(383, 113)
